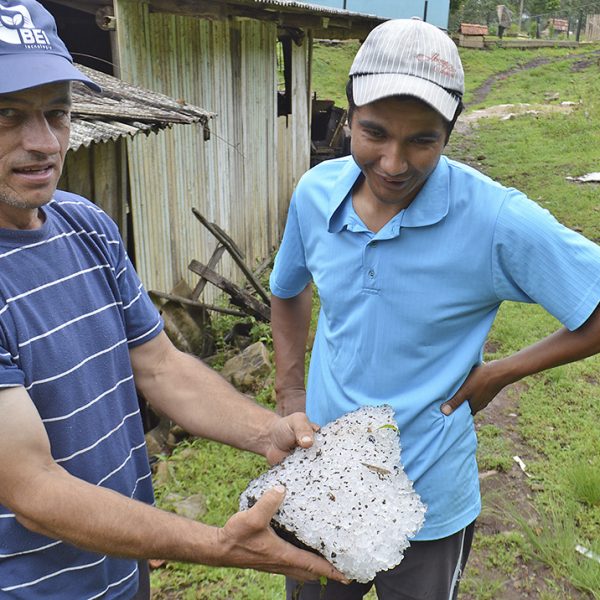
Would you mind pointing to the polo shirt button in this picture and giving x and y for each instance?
(371, 273)
(373, 244)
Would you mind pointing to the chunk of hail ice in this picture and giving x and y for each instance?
(348, 497)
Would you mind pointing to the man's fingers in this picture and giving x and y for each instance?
(449, 407)
(314, 568)
(304, 431)
(308, 566)
(266, 506)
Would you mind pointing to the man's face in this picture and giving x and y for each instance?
(397, 143)
(34, 138)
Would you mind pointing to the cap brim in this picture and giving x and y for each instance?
(372, 87)
(24, 71)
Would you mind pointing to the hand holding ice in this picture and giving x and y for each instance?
(348, 496)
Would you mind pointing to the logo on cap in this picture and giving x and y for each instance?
(441, 66)
(17, 28)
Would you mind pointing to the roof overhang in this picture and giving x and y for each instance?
(323, 21)
(123, 109)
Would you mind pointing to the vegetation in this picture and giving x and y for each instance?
(558, 417)
(484, 13)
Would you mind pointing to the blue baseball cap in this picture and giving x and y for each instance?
(31, 53)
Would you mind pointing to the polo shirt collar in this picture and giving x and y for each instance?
(429, 206)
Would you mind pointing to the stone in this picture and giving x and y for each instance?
(245, 369)
(347, 496)
(193, 507)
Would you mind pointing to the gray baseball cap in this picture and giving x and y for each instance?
(409, 57)
(31, 53)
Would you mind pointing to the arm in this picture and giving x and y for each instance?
(48, 500)
(204, 404)
(559, 348)
(290, 320)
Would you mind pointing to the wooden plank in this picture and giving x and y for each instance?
(106, 170)
(212, 263)
(188, 302)
(235, 254)
(78, 174)
(239, 297)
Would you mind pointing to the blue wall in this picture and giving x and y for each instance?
(437, 10)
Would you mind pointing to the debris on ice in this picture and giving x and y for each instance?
(348, 497)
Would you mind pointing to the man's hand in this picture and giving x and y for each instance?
(479, 389)
(287, 433)
(247, 541)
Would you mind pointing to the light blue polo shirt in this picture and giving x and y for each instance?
(405, 312)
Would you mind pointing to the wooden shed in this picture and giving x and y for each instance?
(248, 61)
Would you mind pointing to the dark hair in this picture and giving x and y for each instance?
(449, 124)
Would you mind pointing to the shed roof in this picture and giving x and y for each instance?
(325, 22)
(124, 109)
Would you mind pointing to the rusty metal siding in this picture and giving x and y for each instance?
(227, 67)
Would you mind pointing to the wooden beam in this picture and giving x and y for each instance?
(87, 6)
(196, 304)
(238, 296)
(191, 8)
(327, 26)
(235, 253)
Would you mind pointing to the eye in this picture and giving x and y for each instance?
(8, 113)
(375, 133)
(425, 141)
(58, 114)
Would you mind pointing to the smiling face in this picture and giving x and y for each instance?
(397, 143)
(34, 138)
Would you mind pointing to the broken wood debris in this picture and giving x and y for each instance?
(195, 303)
(249, 305)
(235, 253)
(238, 296)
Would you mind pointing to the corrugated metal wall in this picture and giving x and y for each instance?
(243, 176)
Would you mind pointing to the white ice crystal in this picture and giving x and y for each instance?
(347, 496)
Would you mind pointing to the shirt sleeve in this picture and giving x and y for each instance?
(537, 259)
(290, 274)
(10, 374)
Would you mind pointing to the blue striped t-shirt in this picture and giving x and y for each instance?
(71, 307)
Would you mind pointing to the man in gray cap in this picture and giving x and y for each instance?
(412, 255)
(78, 335)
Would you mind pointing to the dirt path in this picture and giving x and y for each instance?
(481, 93)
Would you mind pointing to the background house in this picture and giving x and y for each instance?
(248, 61)
(432, 11)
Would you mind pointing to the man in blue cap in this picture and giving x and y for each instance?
(412, 255)
(78, 335)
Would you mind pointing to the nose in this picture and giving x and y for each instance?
(39, 136)
(393, 160)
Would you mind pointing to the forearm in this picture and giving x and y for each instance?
(54, 503)
(202, 402)
(557, 349)
(290, 321)
(564, 346)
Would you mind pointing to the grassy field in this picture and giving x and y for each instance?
(558, 411)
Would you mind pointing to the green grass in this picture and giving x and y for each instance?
(331, 65)
(558, 410)
(494, 451)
